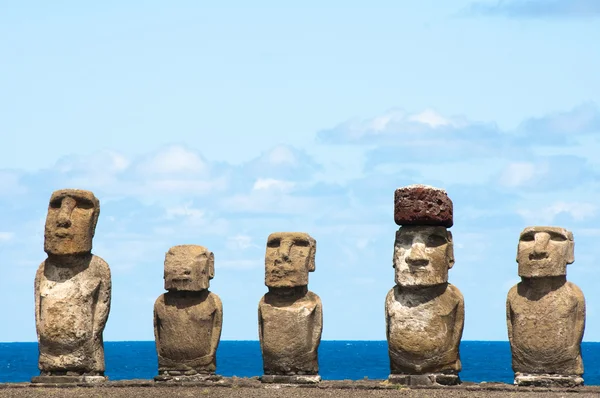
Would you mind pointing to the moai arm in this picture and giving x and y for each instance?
(102, 307)
(217, 326)
(260, 323)
(36, 289)
(459, 321)
(157, 326)
(579, 319)
(509, 315)
(318, 327)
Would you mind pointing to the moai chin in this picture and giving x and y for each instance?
(545, 313)
(424, 313)
(188, 318)
(290, 318)
(72, 293)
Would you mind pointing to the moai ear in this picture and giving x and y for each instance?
(312, 254)
(450, 250)
(394, 254)
(571, 249)
(211, 265)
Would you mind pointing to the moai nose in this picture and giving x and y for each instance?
(64, 215)
(541, 243)
(284, 250)
(416, 255)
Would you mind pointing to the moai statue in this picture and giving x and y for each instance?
(188, 318)
(290, 318)
(545, 314)
(424, 313)
(72, 293)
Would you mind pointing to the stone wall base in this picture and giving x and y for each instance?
(427, 379)
(183, 377)
(64, 379)
(293, 379)
(548, 380)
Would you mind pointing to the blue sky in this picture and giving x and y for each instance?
(219, 124)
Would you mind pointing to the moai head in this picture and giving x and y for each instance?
(71, 222)
(423, 250)
(189, 268)
(289, 258)
(422, 255)
(545, 251)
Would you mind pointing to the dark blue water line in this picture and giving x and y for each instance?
(338, 360)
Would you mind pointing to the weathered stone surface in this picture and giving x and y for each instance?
(422, 255)
(422, 205)
(547, 380)
(424, 313)
(188, 318)
(426, 379)
(289, 258)
(166, 377)
(280, 379)
(290, 317)
(545, 314)
(72, 291)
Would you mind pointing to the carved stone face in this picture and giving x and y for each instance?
(189, 268)
(289, 258)
(545, 251)
(422, 255)
(71, 222)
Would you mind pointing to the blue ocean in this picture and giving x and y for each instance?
(338, 360)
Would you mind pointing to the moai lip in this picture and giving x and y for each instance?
(422, 205)
(188, 318)
(72, 293)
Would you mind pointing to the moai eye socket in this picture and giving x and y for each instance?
(56, 203)
(528, 237)
(83, 203)
(557, 237)
(302, 243)
(436, 240)
(274, 242)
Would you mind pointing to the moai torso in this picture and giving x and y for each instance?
(545, 313)
(72, 289)
(71, 306)
(290, 317)
(188, 318)
(423, 330)
(547, 331)
(290, 333)
(424, 313)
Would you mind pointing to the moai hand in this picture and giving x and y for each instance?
(188, 318)
(290, 318)
(545, 314)
(72, 293)
(424, 313)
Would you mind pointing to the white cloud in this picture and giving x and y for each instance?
(281, 154)
(519, 173)
(240, 242)
(174, 160)
(6, 236)
(546, 214)
(272, 184)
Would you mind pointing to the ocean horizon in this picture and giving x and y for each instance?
(488, 361)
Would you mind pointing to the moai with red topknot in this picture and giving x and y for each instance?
(424, 313)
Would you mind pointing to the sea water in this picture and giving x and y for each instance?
(338, 360)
